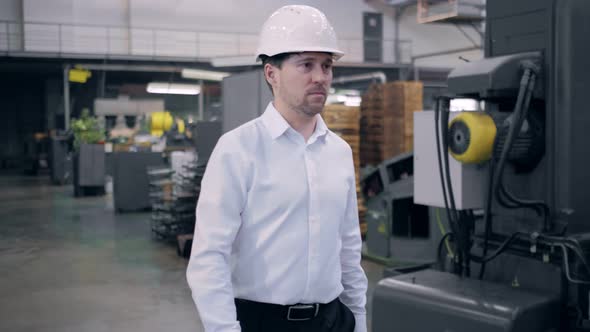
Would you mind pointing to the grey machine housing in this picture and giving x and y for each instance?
(430, 300)
(399, 231)
(520, 291)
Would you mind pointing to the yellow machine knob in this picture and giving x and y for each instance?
(471, 137)
(160, 122)
(180, 125)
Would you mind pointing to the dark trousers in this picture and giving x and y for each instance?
(264, 317)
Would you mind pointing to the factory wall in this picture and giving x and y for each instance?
(432, 38)
(103, 12)
(197, 29)
(11, 10)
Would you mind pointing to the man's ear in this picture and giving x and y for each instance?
(270, 74)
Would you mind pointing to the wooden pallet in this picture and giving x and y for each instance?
(387, 120)
(345, 122)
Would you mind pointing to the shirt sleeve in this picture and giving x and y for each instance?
(222, 197)
(354, 280)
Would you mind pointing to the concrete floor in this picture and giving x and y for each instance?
(72, 264)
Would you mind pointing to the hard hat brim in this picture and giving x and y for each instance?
(337, 54)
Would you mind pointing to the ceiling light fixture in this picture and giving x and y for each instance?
(173, 88)
(234, 61)
(200, 74)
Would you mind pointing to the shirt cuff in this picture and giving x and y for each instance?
(361, 323)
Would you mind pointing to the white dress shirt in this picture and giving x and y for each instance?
(276, 222)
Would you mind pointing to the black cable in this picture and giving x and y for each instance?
(514, 126)
(575, 245)
(501, 249)
(580, 256)
(444, 125)
(439, 249)
(571, 243)
(439, 159)
(496, 174)
(515, 202)
(437, 128)
(562, 243)
(496, 186)
(529, 96)
(567, 268)
(540, 207)
(467, 223)
(458, 217)
(470, 224)
(487, 216)
(463, 240)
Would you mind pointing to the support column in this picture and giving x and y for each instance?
(66, 97)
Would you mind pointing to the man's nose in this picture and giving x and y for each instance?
(319, 75)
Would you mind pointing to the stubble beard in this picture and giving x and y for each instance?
(311, 110)
(304, 107)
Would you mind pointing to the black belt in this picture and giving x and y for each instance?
(295, 312)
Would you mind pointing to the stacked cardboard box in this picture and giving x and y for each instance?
(387, 120)
(344, 121)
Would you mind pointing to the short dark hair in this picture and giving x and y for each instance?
(275, 61)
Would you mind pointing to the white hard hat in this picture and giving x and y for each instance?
(297, 28)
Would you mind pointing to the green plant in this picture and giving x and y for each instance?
(86, 130)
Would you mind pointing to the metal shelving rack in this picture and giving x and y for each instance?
(174, 196)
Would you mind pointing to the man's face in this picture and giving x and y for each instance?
(303, 82)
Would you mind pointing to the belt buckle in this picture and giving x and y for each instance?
(303, 306)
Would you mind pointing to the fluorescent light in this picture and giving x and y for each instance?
(464, 104)
(231, 61)
(199, 74)
(347, 100)
(353, 101)
(174, 88)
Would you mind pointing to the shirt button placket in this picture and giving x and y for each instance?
(313, 213)
(311, 217)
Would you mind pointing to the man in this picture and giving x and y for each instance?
(277, 241)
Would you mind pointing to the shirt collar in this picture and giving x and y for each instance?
(320, 126)
(277, 125)
(274, 121)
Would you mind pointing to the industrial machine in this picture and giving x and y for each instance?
(399, 232)
(161, 122)
(141, 122)
(513, 179)
(127, 112)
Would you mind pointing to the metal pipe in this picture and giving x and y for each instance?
(433, 54)
(479, 31)
(102, 84)
(141, 68)
(379, 75)
(7, 37)
(399, 12)
(66, 97)
(466, 35)
(398, 16)
(201, 100)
